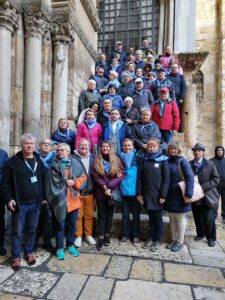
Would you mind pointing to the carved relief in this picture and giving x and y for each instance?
(92, 13)
(192, 61)
(9, 15)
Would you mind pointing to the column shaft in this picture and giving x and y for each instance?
(170, 23)
(161, 26)
(32, 86)
(5, 67)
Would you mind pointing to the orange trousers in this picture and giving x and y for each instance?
(85, 212)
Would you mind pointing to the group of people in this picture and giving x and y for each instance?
(122, 152)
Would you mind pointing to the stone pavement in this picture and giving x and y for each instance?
(122, 272)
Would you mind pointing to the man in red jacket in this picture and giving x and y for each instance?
(165, 114)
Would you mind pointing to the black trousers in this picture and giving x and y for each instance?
(204, 218)
(2, 223)
(105, 216)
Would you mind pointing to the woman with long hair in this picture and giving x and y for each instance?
(107, 173)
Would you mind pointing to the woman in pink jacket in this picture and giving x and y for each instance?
(90, 130)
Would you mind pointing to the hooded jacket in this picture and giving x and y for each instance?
(219, 162)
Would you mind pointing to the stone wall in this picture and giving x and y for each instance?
(207, 40)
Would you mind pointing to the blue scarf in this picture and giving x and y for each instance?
(161, 108)
(155, 156)
(143, 126)
(46, 159)
(90, 123)
(105, 114)
(139, 92)
(64, 133)
(115, 136)
(106, 165)
(127, 158)
(159, 82)
(198, 165)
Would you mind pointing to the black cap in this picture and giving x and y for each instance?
(198, 146)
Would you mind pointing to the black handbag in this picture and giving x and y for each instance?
(212, 198)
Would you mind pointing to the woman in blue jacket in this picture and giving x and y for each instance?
(175, 204)
(128, 191)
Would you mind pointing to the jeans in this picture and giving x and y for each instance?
(85, 216)
(204, 218)
(26, 218)
(45, 224)
(66, 227)
(166, 135)
(155, 225)
(131, 228)
(2, 223)
(105, 216)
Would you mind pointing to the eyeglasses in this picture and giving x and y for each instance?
(46, 144)
(60, 150)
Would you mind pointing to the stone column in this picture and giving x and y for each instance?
(161, 25)
(170, 26)
(61, 45)
(35, 26)
(221, 75)
(8, 22)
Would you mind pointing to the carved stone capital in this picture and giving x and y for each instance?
(36, 16)
(192, 61)
(92, 13)
(9, 15)
(61, 28)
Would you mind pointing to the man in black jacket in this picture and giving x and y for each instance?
(23, 186)
(203, 209)
(179, 84)
(219, 161)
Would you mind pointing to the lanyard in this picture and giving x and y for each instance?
(29, 167)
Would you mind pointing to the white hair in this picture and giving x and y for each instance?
(28, 136)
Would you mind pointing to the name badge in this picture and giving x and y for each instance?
(33, 179)
(156, 165)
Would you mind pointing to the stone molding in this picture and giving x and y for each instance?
(192, 61)
(64, 25)
(84, 39)
(36, 16)
(92, 13)
(9, 14)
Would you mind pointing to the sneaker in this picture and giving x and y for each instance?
(73, 251)
(211, 243)
(154, 246)
(170, 245)
(100, 244)
(90, 240)
(136, 241)
(177, 247)
(60, 254)
(15, 263)
(78, 241)
(106, 240)
(30, 258)
(198, 238)
(147, 244)
(123, 240)
(3, 251)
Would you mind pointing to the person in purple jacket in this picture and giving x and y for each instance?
(107, 173)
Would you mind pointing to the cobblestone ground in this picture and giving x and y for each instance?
(122, 272)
